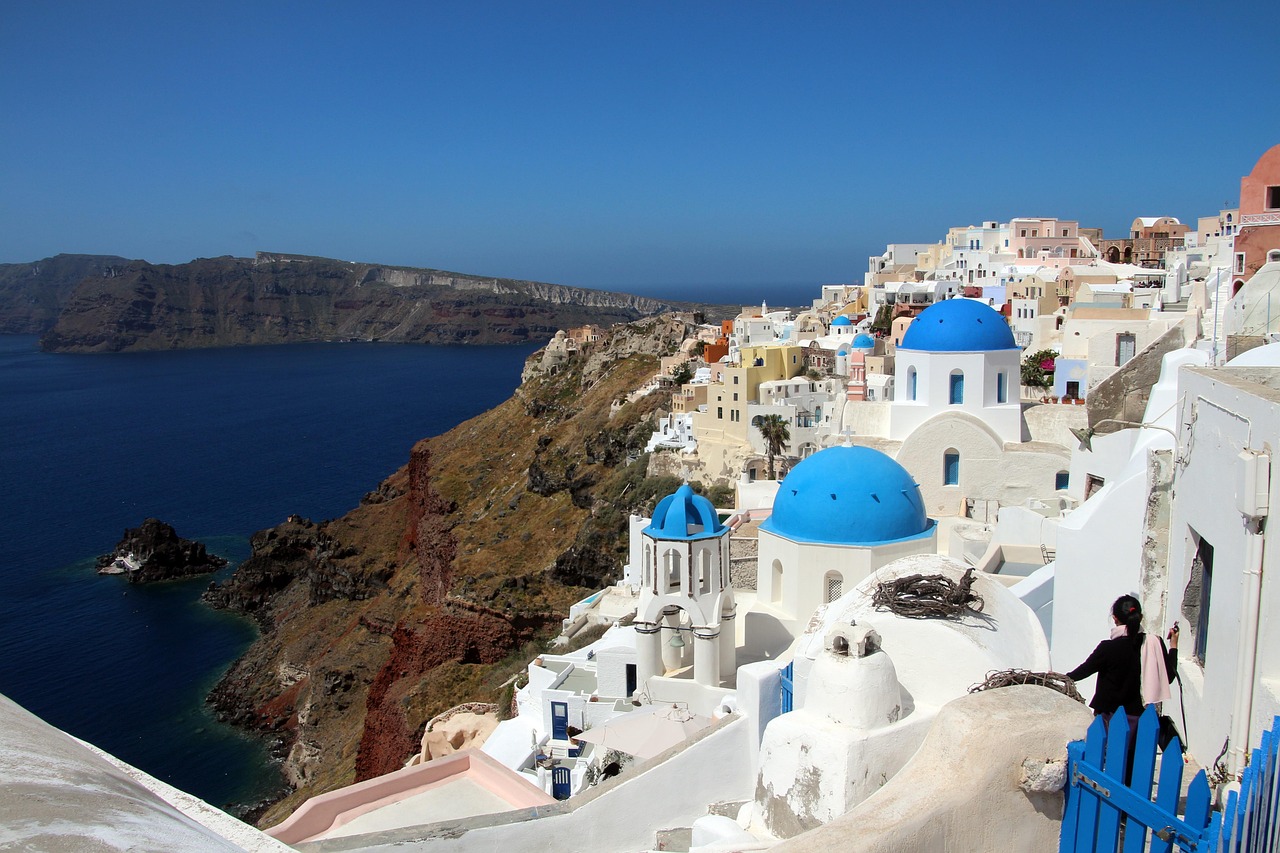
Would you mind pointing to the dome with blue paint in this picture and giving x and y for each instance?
(849, 496)
(684, 515)
(842, 320)
(864, 341)
(959, 325)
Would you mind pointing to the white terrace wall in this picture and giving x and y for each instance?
(1228, 415)
(623, 815)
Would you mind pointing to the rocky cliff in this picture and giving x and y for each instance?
(449, 576)
(32, 295)
(276, 298)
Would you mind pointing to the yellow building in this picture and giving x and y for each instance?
(723, 428)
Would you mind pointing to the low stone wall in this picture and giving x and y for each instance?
(743, 551)
(464, 708)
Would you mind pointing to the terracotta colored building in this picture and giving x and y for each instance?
(1258, 240)
(1149, 238)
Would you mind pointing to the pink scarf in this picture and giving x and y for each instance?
(1155, 678)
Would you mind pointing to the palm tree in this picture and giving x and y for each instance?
(774, 431)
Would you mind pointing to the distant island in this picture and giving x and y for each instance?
(103, 303)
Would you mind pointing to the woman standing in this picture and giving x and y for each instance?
(1133, 669)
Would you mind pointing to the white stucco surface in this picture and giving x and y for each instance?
(964, 789)
(59, 794)
(623, 815)
(852, 730)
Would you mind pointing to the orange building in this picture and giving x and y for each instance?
(1258, 240)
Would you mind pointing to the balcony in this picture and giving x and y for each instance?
(1269, 218)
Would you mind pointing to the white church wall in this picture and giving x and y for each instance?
(933, 390)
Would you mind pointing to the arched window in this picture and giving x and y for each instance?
(957, 387)
(951, 467)
(776, 581)
(911, 383)
(672, 560)
(706, 570)
(1061, 480)
(1002, 392)
(832, 587)
(647, 578)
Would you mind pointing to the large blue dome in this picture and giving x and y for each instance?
(842, 320)
(864, 341)
(684, 515)
(958, 325)
(848, 496)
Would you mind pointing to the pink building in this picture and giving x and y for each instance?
(1258, 241)
(1053, 242)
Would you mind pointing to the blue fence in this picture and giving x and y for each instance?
(788, 688)
(1110, 809)
(1251, 819)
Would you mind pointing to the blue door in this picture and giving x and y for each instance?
(787, 688)
(560, 783)
(560, 720)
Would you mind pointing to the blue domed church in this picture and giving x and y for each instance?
(686, 609)
(959, 355)
(838, 516)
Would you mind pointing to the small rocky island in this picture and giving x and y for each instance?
(155, 552)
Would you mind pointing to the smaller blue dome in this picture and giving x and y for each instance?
(684, 515)
(959, 325)
(864, 341)
(842, 320)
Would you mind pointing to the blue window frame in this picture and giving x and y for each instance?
(951, 468)
(911, 384)
(957, 388)
(1002, 394)
(1061, 481)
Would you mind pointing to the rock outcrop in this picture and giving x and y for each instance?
(155, 552)
(274, 299)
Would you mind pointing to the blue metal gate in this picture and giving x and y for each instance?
(560, 783)
(788, 696)
(1099, 799)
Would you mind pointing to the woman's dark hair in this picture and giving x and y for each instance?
(1128, 612)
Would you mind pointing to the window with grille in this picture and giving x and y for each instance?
(835, 587)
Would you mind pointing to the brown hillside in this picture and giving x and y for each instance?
(446, 579)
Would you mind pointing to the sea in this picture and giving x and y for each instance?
(219, 443)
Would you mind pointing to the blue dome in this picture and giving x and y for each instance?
(842, 320)
(864, 341)
(958, 325)
(849, 496)
(684, 515)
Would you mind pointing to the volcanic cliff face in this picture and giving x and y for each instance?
(276, 299)
(32, 295)
(446, 579)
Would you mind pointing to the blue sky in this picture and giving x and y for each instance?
(652, 147)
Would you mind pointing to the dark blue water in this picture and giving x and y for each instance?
(218, 443)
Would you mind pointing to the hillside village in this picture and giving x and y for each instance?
(1048, 414)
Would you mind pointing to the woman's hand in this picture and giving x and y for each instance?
(1173, 636)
